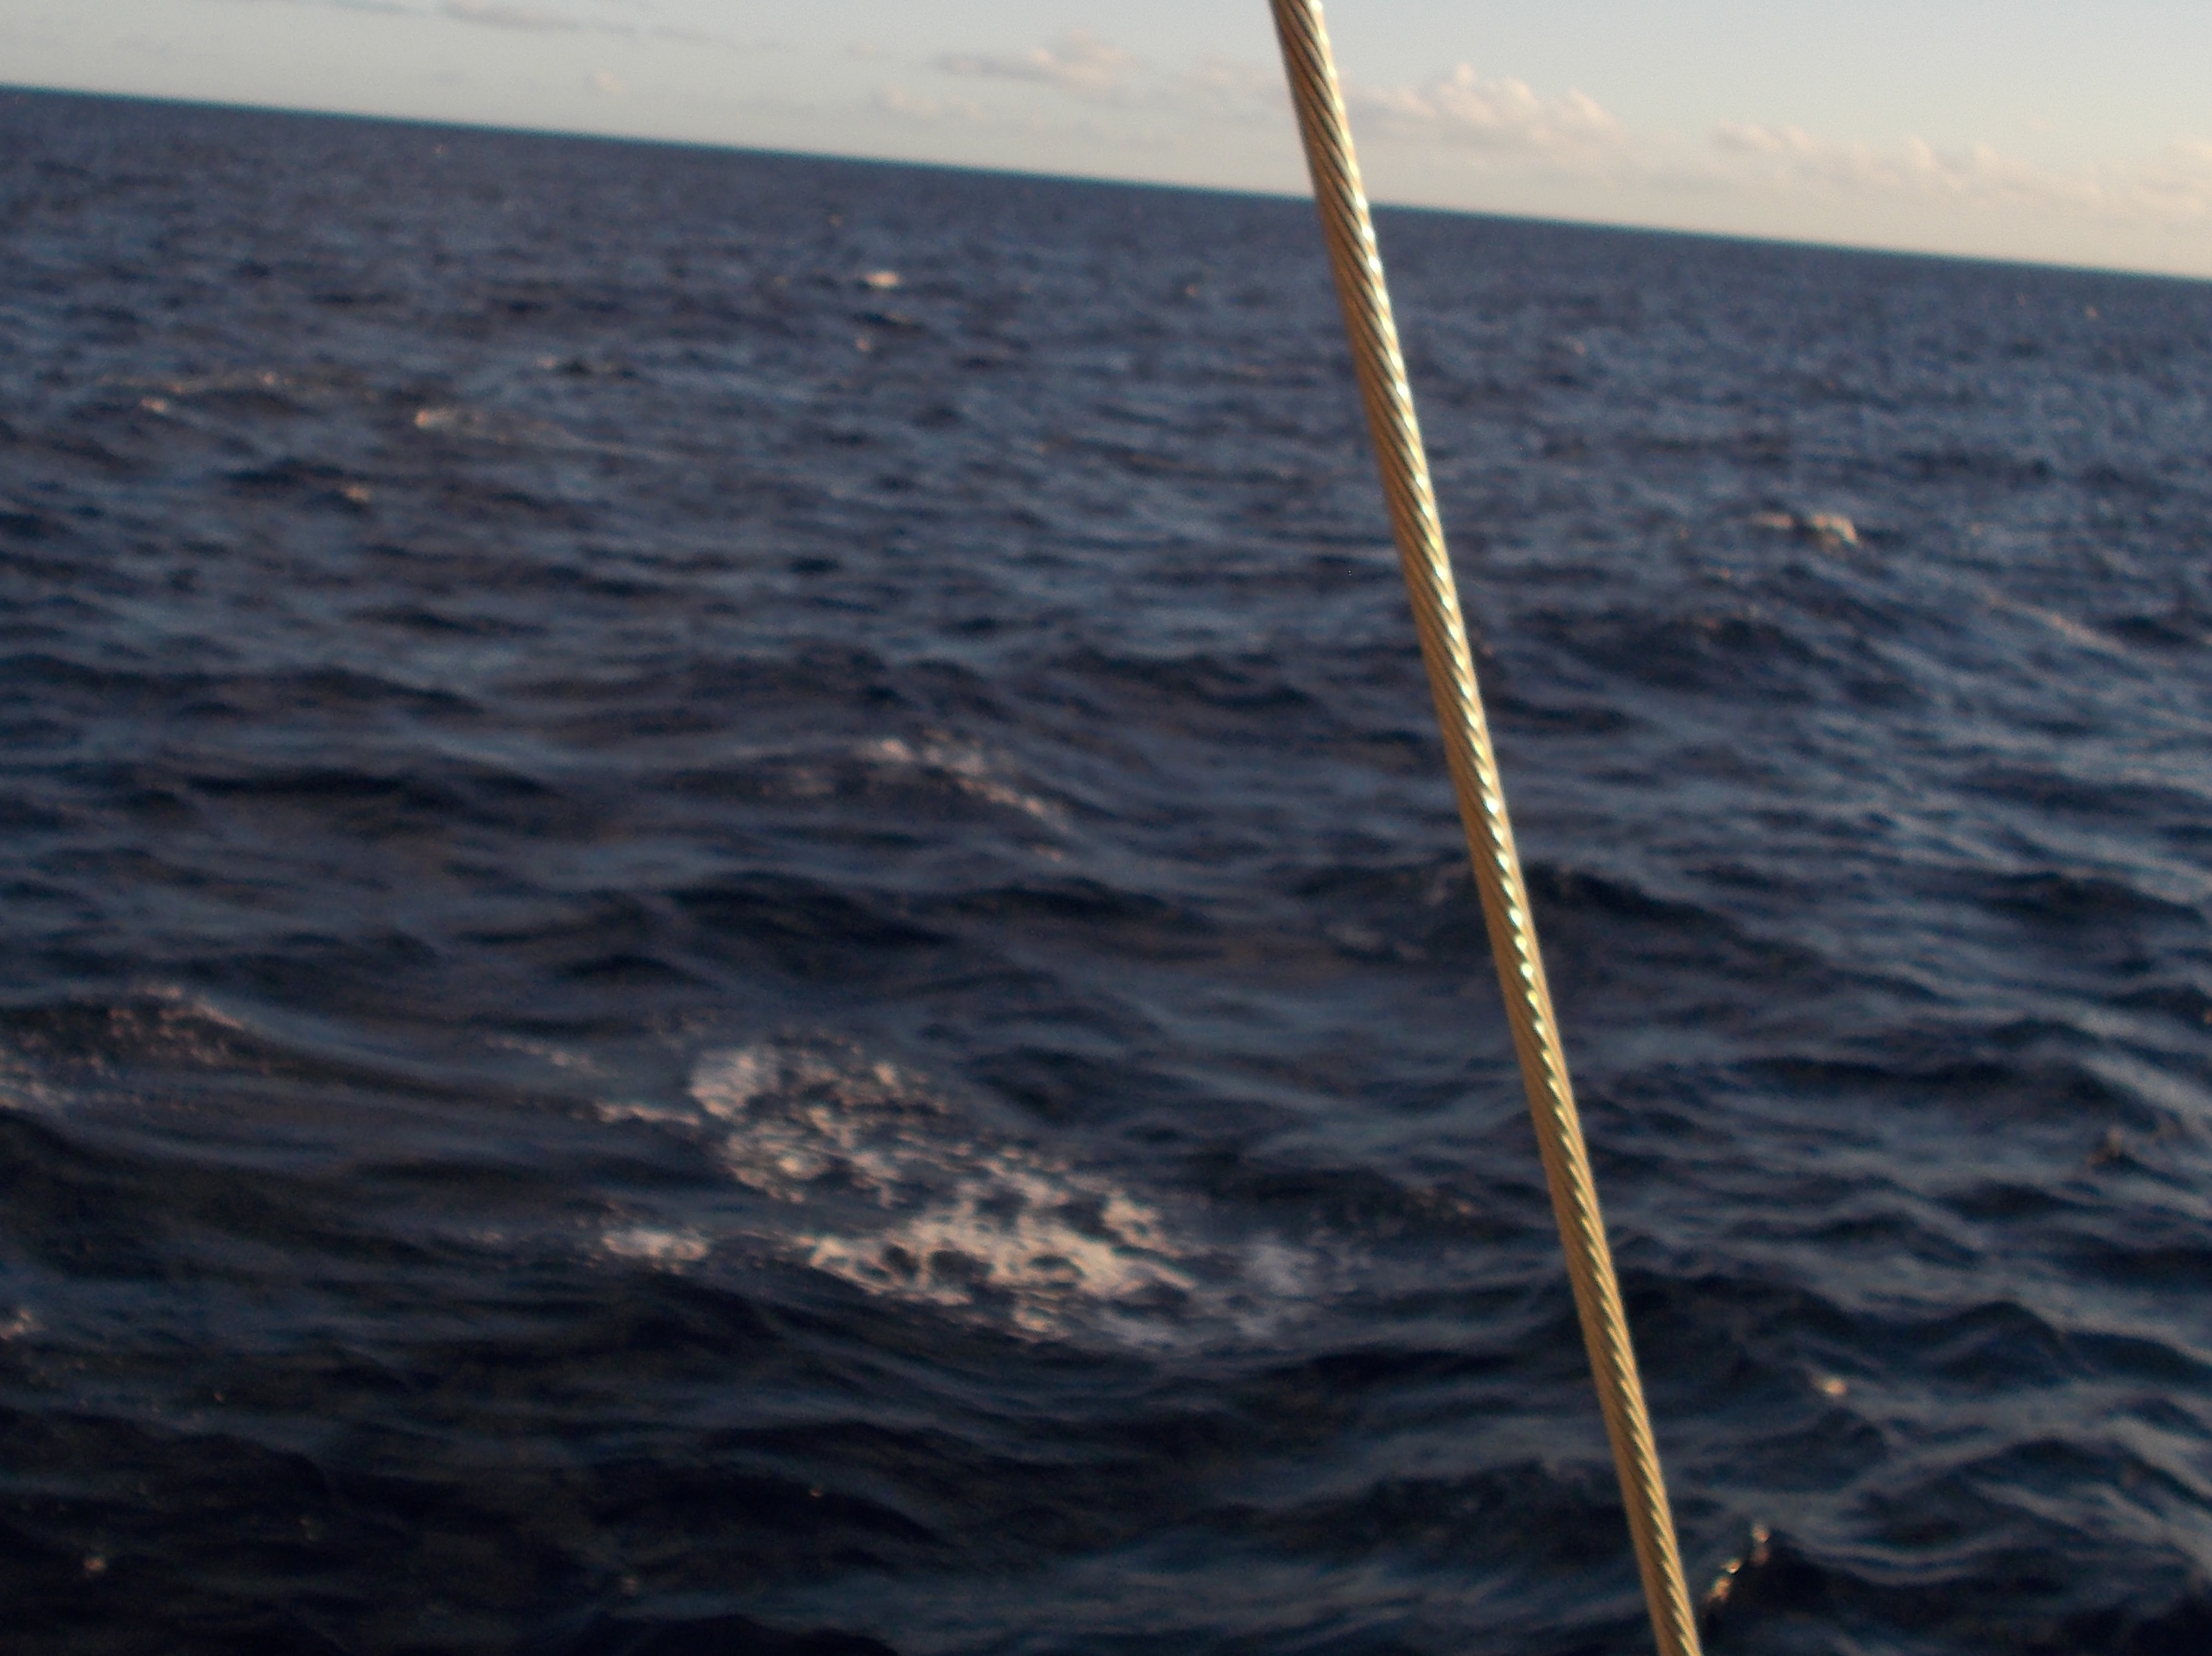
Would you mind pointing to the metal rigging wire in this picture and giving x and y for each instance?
(1427, 566)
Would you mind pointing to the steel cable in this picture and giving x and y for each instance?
(1358, 269)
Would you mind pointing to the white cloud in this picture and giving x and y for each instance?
(1079, 62)
(1218, 86)
(1084, 66)
(533, 20)
(378, 8)
(2173, 186)
(2177, 182)
(495, 14)
(898, 101)
(1504, 115)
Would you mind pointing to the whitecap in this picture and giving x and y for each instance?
(898, 1193)
(652, 1245)
(965, 767)
(503, 429)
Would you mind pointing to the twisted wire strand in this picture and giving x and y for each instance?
(1358, 268)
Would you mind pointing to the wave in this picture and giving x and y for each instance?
(898, 1194)
(695, 952)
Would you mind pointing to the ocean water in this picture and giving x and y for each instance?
(728, 921)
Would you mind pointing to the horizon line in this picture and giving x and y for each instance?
(8, 88)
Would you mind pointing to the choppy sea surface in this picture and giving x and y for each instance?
(728, 921)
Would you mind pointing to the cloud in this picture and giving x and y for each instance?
(2177, 182)
(495, 14)
(532, 20)
(1506, 117)
(1218, 86)
(898, 101)
(2173, 186)
(1792, 156)
(376, 8)
(502, 14)
(1085, 66)
(1079, 62)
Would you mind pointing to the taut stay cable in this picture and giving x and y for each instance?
(1358, 271)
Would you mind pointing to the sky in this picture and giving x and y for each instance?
(2069, 133)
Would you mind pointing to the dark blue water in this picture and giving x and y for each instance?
(728, 909)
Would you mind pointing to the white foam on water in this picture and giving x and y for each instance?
(934, 762)
(651, 1245)
(155, 1023)
(967, 767)
(24, 1088)
(504, 429)
(902, 1196)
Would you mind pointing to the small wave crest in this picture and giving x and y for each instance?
(897, 1193)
